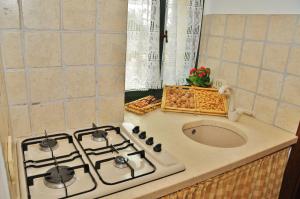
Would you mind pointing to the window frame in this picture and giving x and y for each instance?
(134, 95)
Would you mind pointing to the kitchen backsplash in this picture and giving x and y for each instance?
(260, 56)
(64, 63)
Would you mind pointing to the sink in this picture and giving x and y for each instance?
(215, 133)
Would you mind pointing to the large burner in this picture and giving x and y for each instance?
(48, 143)
(120, 162)
(99, 135)
(58, 176)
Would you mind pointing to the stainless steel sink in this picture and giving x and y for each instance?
(215, 133)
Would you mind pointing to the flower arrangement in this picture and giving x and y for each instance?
(199, 77)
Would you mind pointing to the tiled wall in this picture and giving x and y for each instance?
(64, 62)
(260, 56)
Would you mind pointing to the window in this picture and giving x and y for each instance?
(162, 43)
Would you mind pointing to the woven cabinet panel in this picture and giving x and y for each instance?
(260, 179)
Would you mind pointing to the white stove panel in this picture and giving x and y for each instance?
(105, 175)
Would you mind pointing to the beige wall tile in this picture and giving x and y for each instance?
(235, 26)
(214, 65)
(256, 27)
(81, 113)
(264, 109)
(112, 15)
(78, 48)
(206, 24)
(111, 109)
(41, 14)
(297, 35)
(232, 50)
(49, 117)
(288, 117)
(270, 84)
(228, 72)
(276, 56)
(203, 45)
(202, 60)
(252, 53)
(291, 90)
(80, 81)
(19, 117)
(282, 28)
(42, 49)
(244, 99)
(79, 14)
(294, 61)
(214, 47)
(111, 80)
(46, 84)
(217, 24)
(112, 49)
(248, 77)
(12, 51)
(9, 14)
(16, 87)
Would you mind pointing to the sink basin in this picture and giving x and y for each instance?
(215, 133)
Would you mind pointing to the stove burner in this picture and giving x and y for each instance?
(99, 135)
(120, 162)
(47, 143)
(58, 176)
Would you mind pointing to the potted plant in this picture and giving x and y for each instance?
(199, 77)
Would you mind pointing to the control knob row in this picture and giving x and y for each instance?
(142, 135)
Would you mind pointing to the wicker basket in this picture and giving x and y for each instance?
(141, 111)
(202, 101)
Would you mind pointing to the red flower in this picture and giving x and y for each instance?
(202, 74)
(202, 67)
(192, 70)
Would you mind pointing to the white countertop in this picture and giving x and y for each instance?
(202, 162)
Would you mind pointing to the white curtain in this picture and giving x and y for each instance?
(183, 21)
(142, 57)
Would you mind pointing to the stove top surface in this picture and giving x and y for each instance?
(91, 163)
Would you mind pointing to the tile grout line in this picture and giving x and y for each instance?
(96, 68)
(65, 30)
(27, 69)
(240, 57)
(8, 68)
(257, 67)
(61, 25)
(285, 73)
(256, 40)
(261, 62)
(222, 49)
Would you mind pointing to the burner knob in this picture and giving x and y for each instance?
(136, 130)
(142, 135)
(157, 148)
(149, 141)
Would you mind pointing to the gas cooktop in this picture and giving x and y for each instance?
(91, 163)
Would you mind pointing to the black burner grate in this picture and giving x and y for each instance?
(111, 148)
(58, 176)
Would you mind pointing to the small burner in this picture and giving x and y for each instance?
(120, 162)
(99, 135)
(58, 176)
(47, 143)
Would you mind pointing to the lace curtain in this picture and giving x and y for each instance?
(142, 58)
(183, 22)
